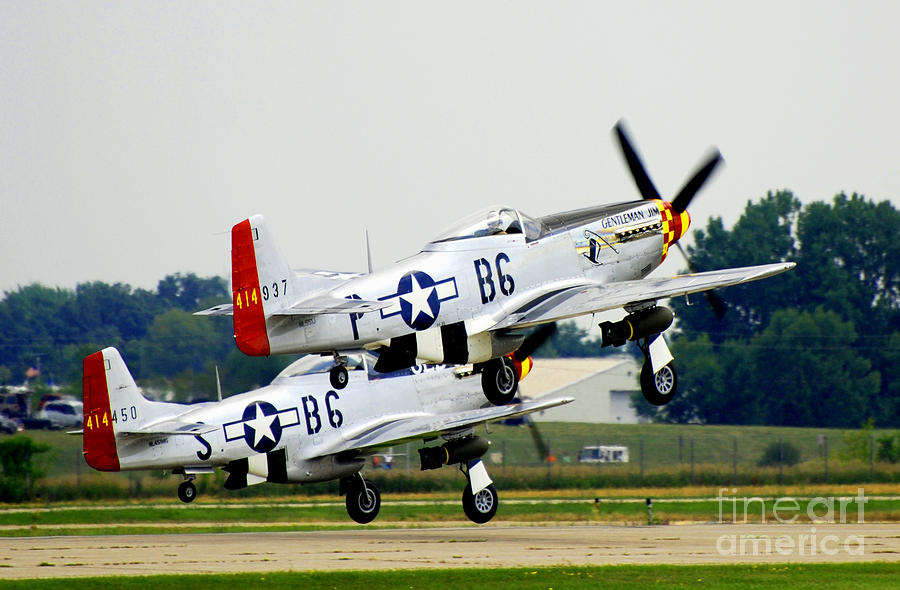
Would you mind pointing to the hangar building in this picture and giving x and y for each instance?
(601, 386)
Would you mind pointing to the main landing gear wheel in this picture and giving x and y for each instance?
(363, 501)
(338, 376)
(658, 388)
(499, 381)
(187, 491)
(480, 507)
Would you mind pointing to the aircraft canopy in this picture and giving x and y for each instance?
(494, 220)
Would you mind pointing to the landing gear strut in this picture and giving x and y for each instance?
(481, 506)
(363, 500)
(658, 386)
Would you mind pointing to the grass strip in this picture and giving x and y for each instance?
(126, 519)
(755, 576)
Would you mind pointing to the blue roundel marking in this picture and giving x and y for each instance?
(418, 299)
(262, 426)
(419, 302)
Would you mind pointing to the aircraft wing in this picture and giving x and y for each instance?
(585, 299)
(389, 430)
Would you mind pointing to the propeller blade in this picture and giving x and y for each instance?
(715, 301)
(641, 178)
(684, 255)
(539, 442)
(534, 341)
(691, 187)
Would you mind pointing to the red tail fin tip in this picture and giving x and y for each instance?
(249, 316)
(99, 438)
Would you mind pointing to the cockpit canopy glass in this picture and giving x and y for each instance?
(495, 220)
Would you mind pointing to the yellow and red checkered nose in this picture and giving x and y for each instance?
(674, 225)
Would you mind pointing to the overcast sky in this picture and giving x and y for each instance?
(133, 135)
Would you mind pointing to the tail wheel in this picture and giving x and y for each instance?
(499, 381)
(187, 491)
(658, 388)
(480, 507)
(363, 501)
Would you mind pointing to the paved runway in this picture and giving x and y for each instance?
(490, 546)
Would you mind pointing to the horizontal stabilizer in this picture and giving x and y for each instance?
(326, 303)
(170, 428)
(221, 309)
(319, 304)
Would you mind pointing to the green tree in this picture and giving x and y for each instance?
(20, 469)
(54, 328)
(851, 259)
(189, 291)
(847, 278)
(178, 341)
(763, 234)
(807, 373)
(110, 313)
(30, 326)
(887, 360)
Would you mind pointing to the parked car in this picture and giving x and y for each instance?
(63, 413)
(34, 423)
(13, 404)
(9, 425)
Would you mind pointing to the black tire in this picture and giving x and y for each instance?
(338, 376)
(499, 381)
(659, 388)
(363, 502)
(480, 507)
(187, 491)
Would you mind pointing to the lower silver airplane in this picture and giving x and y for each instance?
(298, 429)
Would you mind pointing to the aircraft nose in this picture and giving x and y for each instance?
(674, 224)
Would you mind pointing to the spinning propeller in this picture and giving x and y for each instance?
(680, 202)
(533, 341)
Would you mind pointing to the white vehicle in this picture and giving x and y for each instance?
(603, 454)
(63, 413)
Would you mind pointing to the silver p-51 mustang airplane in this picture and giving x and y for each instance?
(299, 429)
(470, 292)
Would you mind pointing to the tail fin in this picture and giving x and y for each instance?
(262, 283)
(112, 403)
